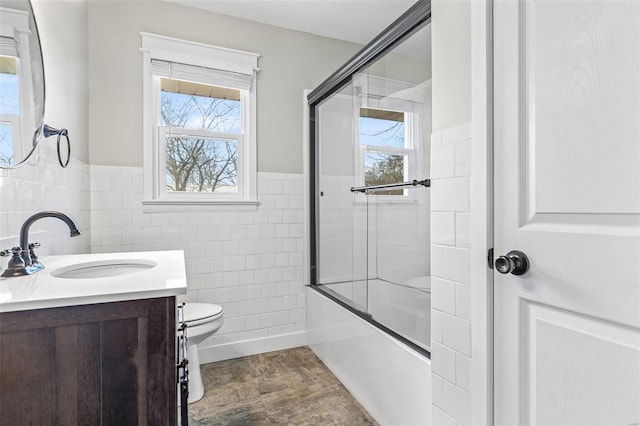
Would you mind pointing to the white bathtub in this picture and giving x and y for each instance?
(392, 381)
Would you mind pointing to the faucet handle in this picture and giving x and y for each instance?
(11, 252)
(32, 253)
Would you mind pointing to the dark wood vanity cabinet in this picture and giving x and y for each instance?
(102, 364)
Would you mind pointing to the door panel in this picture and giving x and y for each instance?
(570, 359)
(567, 193)
(581, 68)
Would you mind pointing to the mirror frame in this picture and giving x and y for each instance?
(34, 44)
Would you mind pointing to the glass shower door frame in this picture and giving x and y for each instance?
(414, 19)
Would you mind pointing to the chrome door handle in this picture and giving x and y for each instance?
(515, 262)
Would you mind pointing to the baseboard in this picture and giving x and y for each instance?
(251, 347)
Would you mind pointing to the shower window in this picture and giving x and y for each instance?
(386, 150)
(370, 249)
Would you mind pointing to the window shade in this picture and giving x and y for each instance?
(8, 47)
(201, 74)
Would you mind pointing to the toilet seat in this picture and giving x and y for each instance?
(422, 282)
(200, 313)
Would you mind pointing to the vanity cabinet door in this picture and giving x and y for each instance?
(110, 364)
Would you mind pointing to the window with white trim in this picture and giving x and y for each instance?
(386, 152)
(200, 141)
(14, 115)
(9, 107)
(389, 133)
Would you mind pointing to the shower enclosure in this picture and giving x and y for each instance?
(370, 212)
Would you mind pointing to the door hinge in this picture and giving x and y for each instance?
(490, 258)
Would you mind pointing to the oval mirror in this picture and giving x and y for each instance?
(21, 83)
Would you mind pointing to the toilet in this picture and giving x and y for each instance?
(203, 319)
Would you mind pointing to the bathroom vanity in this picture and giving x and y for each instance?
(91, 340)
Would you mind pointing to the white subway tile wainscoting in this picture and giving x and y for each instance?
(41, 184)
(450, 270)
(249, 262)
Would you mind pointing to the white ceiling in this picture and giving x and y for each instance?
(357, 21)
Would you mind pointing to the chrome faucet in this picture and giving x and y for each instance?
(23, 259)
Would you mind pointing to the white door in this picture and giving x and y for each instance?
(567, 194)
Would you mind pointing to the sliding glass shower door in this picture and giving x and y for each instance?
(372, 191)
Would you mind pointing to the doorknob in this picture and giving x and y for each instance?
(515, 262)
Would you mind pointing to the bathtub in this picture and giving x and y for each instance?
(391, 380)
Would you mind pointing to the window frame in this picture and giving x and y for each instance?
(163, 131)
(156, 197)
(410, 152)
(381, 93)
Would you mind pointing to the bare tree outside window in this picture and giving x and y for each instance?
(200, 163)
(381, 169)
(381, 128)
(6, 145)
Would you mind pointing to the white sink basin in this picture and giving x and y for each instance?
(103, 268)
(92, 278)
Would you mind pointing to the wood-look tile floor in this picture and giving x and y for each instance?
(290, 387)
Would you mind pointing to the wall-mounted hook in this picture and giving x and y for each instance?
(48, 131)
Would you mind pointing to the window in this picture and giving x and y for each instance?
(200, 142)
(387, 153)
(9, 109)
(10, 105)
(390, 115)
(383, 147)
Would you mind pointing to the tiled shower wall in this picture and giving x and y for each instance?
(450, 266)
(249, 262)
(346, 228)
(41, 184)
(359, 229)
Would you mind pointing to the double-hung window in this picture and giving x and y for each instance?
(386, 151)
(200, 141)
(9, 103)
(389, 121)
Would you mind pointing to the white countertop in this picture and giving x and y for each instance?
(43, 290)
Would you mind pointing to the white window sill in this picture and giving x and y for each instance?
(164, 206)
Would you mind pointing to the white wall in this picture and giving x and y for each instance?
(290, 62)
(451, 35)
(65, 54)
(42, 184)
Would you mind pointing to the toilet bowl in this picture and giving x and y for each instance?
(203, 319)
